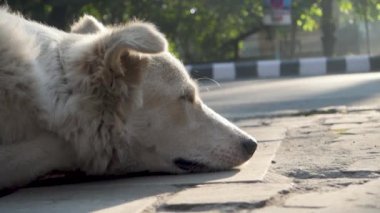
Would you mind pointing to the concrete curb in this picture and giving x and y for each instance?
(227, 71)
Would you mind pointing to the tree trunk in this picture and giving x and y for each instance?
(328, 28)
(293, 39)
(236, 51)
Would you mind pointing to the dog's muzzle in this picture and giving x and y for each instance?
(189, 165)
(248, 147)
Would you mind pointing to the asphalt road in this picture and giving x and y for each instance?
(255, 97)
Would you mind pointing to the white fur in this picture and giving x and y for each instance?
(105, 102)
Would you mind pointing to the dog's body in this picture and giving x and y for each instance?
(104, 101)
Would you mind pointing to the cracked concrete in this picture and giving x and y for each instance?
(335, 164)
(321, 161)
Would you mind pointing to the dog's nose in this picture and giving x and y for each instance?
(249, 146)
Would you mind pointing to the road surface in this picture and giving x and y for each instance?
(255, 97)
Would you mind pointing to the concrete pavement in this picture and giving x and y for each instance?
(316, 163)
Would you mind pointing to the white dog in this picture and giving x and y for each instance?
(103, 100)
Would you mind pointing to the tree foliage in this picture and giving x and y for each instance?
(198, 30)
(308, 14)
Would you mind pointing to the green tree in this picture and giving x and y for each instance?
(318, 14)
(197, 30)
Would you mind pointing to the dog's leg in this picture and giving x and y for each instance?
(25, 161)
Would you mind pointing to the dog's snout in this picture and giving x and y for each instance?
(249, 146)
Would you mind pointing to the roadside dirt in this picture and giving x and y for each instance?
(327, 154)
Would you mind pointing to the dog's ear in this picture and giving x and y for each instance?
(135, 39)
(87, 24)
(127, 50)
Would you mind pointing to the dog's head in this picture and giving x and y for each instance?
(169, 128)
(175, 131)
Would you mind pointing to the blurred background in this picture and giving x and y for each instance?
(232, 30)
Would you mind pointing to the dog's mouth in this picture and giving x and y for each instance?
(190, 165)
